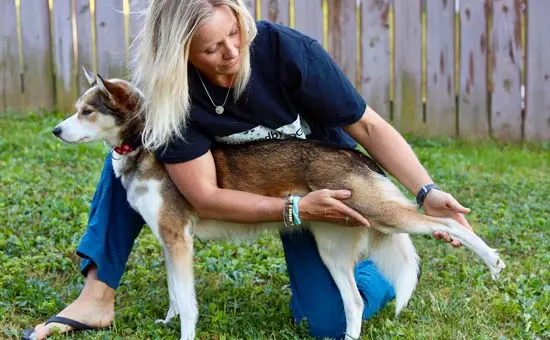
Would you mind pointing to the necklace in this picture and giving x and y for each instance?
(218, 108)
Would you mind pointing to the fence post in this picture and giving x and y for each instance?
(111, 46)
(537, 116)
(64, 58)
(38, 85)
(473, 117)
(342, 34)
(506, 62)
(375, 55)
(10, 81)
(440, 68)
(309, 18)
(276, 11)
(408, 113)
(86, 43)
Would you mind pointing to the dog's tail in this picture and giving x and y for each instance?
(396, 258)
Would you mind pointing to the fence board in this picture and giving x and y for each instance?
(375, 55)
(64, 62)
(309, 18)
(10, 81)
(473, 118)
(137, 17)
(251, 5)
(85, 42)
(440, 68)
(342, 28)
(506, 61)
(537, 116)
(111, 46)
(276, 11)
(408, 66)
(37, 61)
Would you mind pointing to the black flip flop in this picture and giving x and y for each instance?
(76, 326)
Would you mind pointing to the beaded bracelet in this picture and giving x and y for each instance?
(291, 213)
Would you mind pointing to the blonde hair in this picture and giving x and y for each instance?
(161, 60)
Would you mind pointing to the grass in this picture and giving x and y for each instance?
(243, 290)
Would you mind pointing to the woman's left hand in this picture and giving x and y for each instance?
(441, 204)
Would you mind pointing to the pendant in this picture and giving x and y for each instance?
(219, 110)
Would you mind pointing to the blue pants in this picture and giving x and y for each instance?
(113, 226)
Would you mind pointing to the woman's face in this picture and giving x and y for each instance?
(215, 46)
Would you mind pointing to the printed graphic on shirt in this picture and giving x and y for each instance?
(297, 129)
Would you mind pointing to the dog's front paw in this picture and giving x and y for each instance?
(189, 335)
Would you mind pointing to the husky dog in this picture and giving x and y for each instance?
(109, 111)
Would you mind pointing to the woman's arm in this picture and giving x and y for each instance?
(196, 180)
(395, 155)
(389, 149)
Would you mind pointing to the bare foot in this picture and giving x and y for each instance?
(94, 307)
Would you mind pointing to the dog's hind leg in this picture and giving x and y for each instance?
(411, 222)
(337, 248)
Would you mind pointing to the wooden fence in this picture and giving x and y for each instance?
(470, 68)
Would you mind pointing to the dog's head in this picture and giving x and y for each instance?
(108, 111)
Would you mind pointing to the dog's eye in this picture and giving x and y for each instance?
(86, 112)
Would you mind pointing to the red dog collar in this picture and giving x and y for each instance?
(123, 149)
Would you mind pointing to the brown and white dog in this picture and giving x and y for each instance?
(109, 111)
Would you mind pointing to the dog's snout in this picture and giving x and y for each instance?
(56, 131)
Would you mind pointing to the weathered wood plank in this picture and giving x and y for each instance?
(85, 42)
(251, 5)
(473, 117)
(137, 17)
(537, 116)
(10, 81)
(342, 36)
(375, 55)
(440, 68)
(276, 11)
(309, 18)
(506, 63)
(408, 66)
(111, 46)
(64, 59)
(38, 89)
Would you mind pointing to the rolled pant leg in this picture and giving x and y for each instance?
(315, 296)
(112, 228)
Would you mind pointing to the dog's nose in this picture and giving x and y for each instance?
(56, 131)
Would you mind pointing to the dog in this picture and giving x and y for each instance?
(110, 111)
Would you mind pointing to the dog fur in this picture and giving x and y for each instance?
(109, 111)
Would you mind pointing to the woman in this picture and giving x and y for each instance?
(232, 80)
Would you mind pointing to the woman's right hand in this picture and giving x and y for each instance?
(326, 205)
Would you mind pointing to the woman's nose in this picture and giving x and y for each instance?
(231, 51)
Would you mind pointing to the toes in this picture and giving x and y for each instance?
(51, 328)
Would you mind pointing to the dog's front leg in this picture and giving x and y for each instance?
(179, 264)
(173, 309)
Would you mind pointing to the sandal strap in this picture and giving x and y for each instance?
(77, 326)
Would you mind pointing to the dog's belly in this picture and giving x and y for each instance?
(221, 230)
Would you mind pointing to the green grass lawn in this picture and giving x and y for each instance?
(243, 290)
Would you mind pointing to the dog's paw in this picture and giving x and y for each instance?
(497, 268)
(189, 335)
(169, 316)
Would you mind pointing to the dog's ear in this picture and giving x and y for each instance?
(90, 77)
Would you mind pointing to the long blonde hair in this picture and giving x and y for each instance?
(159, 67)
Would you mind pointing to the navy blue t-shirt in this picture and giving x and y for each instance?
(295, 91)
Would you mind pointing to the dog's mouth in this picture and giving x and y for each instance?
(78, 141)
